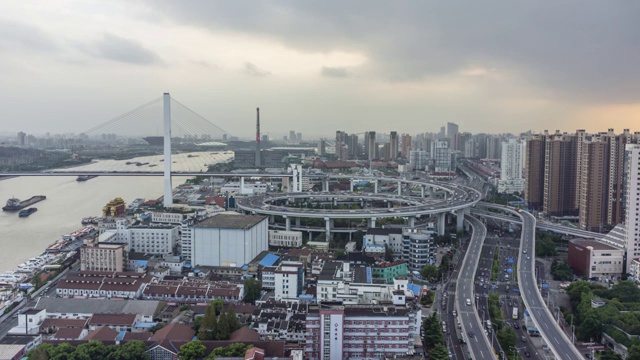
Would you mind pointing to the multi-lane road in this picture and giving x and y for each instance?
(478, 344)
(557, 340)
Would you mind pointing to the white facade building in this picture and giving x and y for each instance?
(289, 280)
(418, 159)
(416, 247)
(150, 239)
(441, 154)
(165, 217)
(285, 238)
(632, 197)
(228, 240)
(512, 166)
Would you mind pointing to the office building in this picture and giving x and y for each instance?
(156, 239)
(338, 331)
(418, 159)
(452, 131)
(322, 148)
(289, 280)
(289, 239)
(441, 154)
(104, 257)
(512, 166)
(22, 138)
(594, 259)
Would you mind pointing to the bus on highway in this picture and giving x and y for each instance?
(515, 313)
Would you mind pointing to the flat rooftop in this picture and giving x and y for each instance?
(596, 245)
(228, 221)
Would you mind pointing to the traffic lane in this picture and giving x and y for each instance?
(475, 344)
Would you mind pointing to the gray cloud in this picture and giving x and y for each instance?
(119, 49)
(334, 72)
(27, 36)
(572, 49)
(253, 70)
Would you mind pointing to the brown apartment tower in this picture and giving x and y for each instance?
(559, 196)
(534, 167)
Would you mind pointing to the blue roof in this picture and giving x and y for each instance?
(187, 265)
(369, 275)
(141, 262)
(245, 267)
(121, 335)
(144, 325)
(415, 289)
(269, 260)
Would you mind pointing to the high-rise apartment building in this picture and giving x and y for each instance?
(371, 146)
(534, 171)
(593, 183)
(418, 159)
(22, 138)
(452, 130)
(632, 201)
(560, 175)
(322, 147)
(405, 144)
(512, 166)
(494, 147)
(441, 154)
(393, 145)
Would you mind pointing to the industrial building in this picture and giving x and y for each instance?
(228, 239)
(594, 259)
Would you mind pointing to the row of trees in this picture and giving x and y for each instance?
(195, 350)
(546, 244)
(561, 271)
(92, 350)
(218, 324)
(433, 339)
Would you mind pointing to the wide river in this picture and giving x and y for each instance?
(68, 201)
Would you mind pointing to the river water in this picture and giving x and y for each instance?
(68, 201)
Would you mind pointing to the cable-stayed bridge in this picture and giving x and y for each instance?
(146, 121)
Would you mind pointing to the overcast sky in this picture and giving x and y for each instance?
(321, 66)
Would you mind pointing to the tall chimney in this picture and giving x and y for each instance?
(258, 152)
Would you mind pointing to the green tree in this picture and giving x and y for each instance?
(192, 350)
(252, 289)
(217, 305)
(506, 337)
(237, 349)
(93, 349)
(42, 352)
(222, 330)
(232, 320)
(625, 291)
(208, 328)
(131, 350)
(590, 328)
(634, 353)
(388, 253)
(197, 322)
(429, 272)
(439, 352)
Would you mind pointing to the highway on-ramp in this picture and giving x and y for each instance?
(478, 344)
(557, 340)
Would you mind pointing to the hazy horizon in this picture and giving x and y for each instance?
(324, 66)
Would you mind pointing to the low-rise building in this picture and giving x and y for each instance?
(282, 238)
(389, 270)
(157, 239)
(118, 322)
(594, 259)
(104, 257)
(84, 309)
(98, 284)
(278, 320)
(193, 291)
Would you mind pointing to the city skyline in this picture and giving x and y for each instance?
(313, 67)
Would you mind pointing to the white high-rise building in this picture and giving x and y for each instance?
(442, 156)
(512, 166)
(632, 201)
(418, 159)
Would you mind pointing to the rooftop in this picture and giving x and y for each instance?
(381, 231)
(595, 244)
(228, 221)
(103, 306)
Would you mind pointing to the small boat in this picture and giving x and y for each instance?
(27, 212)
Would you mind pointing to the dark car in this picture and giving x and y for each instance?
(526, 353)
(516, 326)
(472, 334)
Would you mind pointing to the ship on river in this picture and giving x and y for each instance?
(86, 177)
(15, 204)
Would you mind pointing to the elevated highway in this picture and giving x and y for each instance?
(478, 343)
(559, 343)
(546, 226)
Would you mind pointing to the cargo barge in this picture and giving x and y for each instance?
(14, 204)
